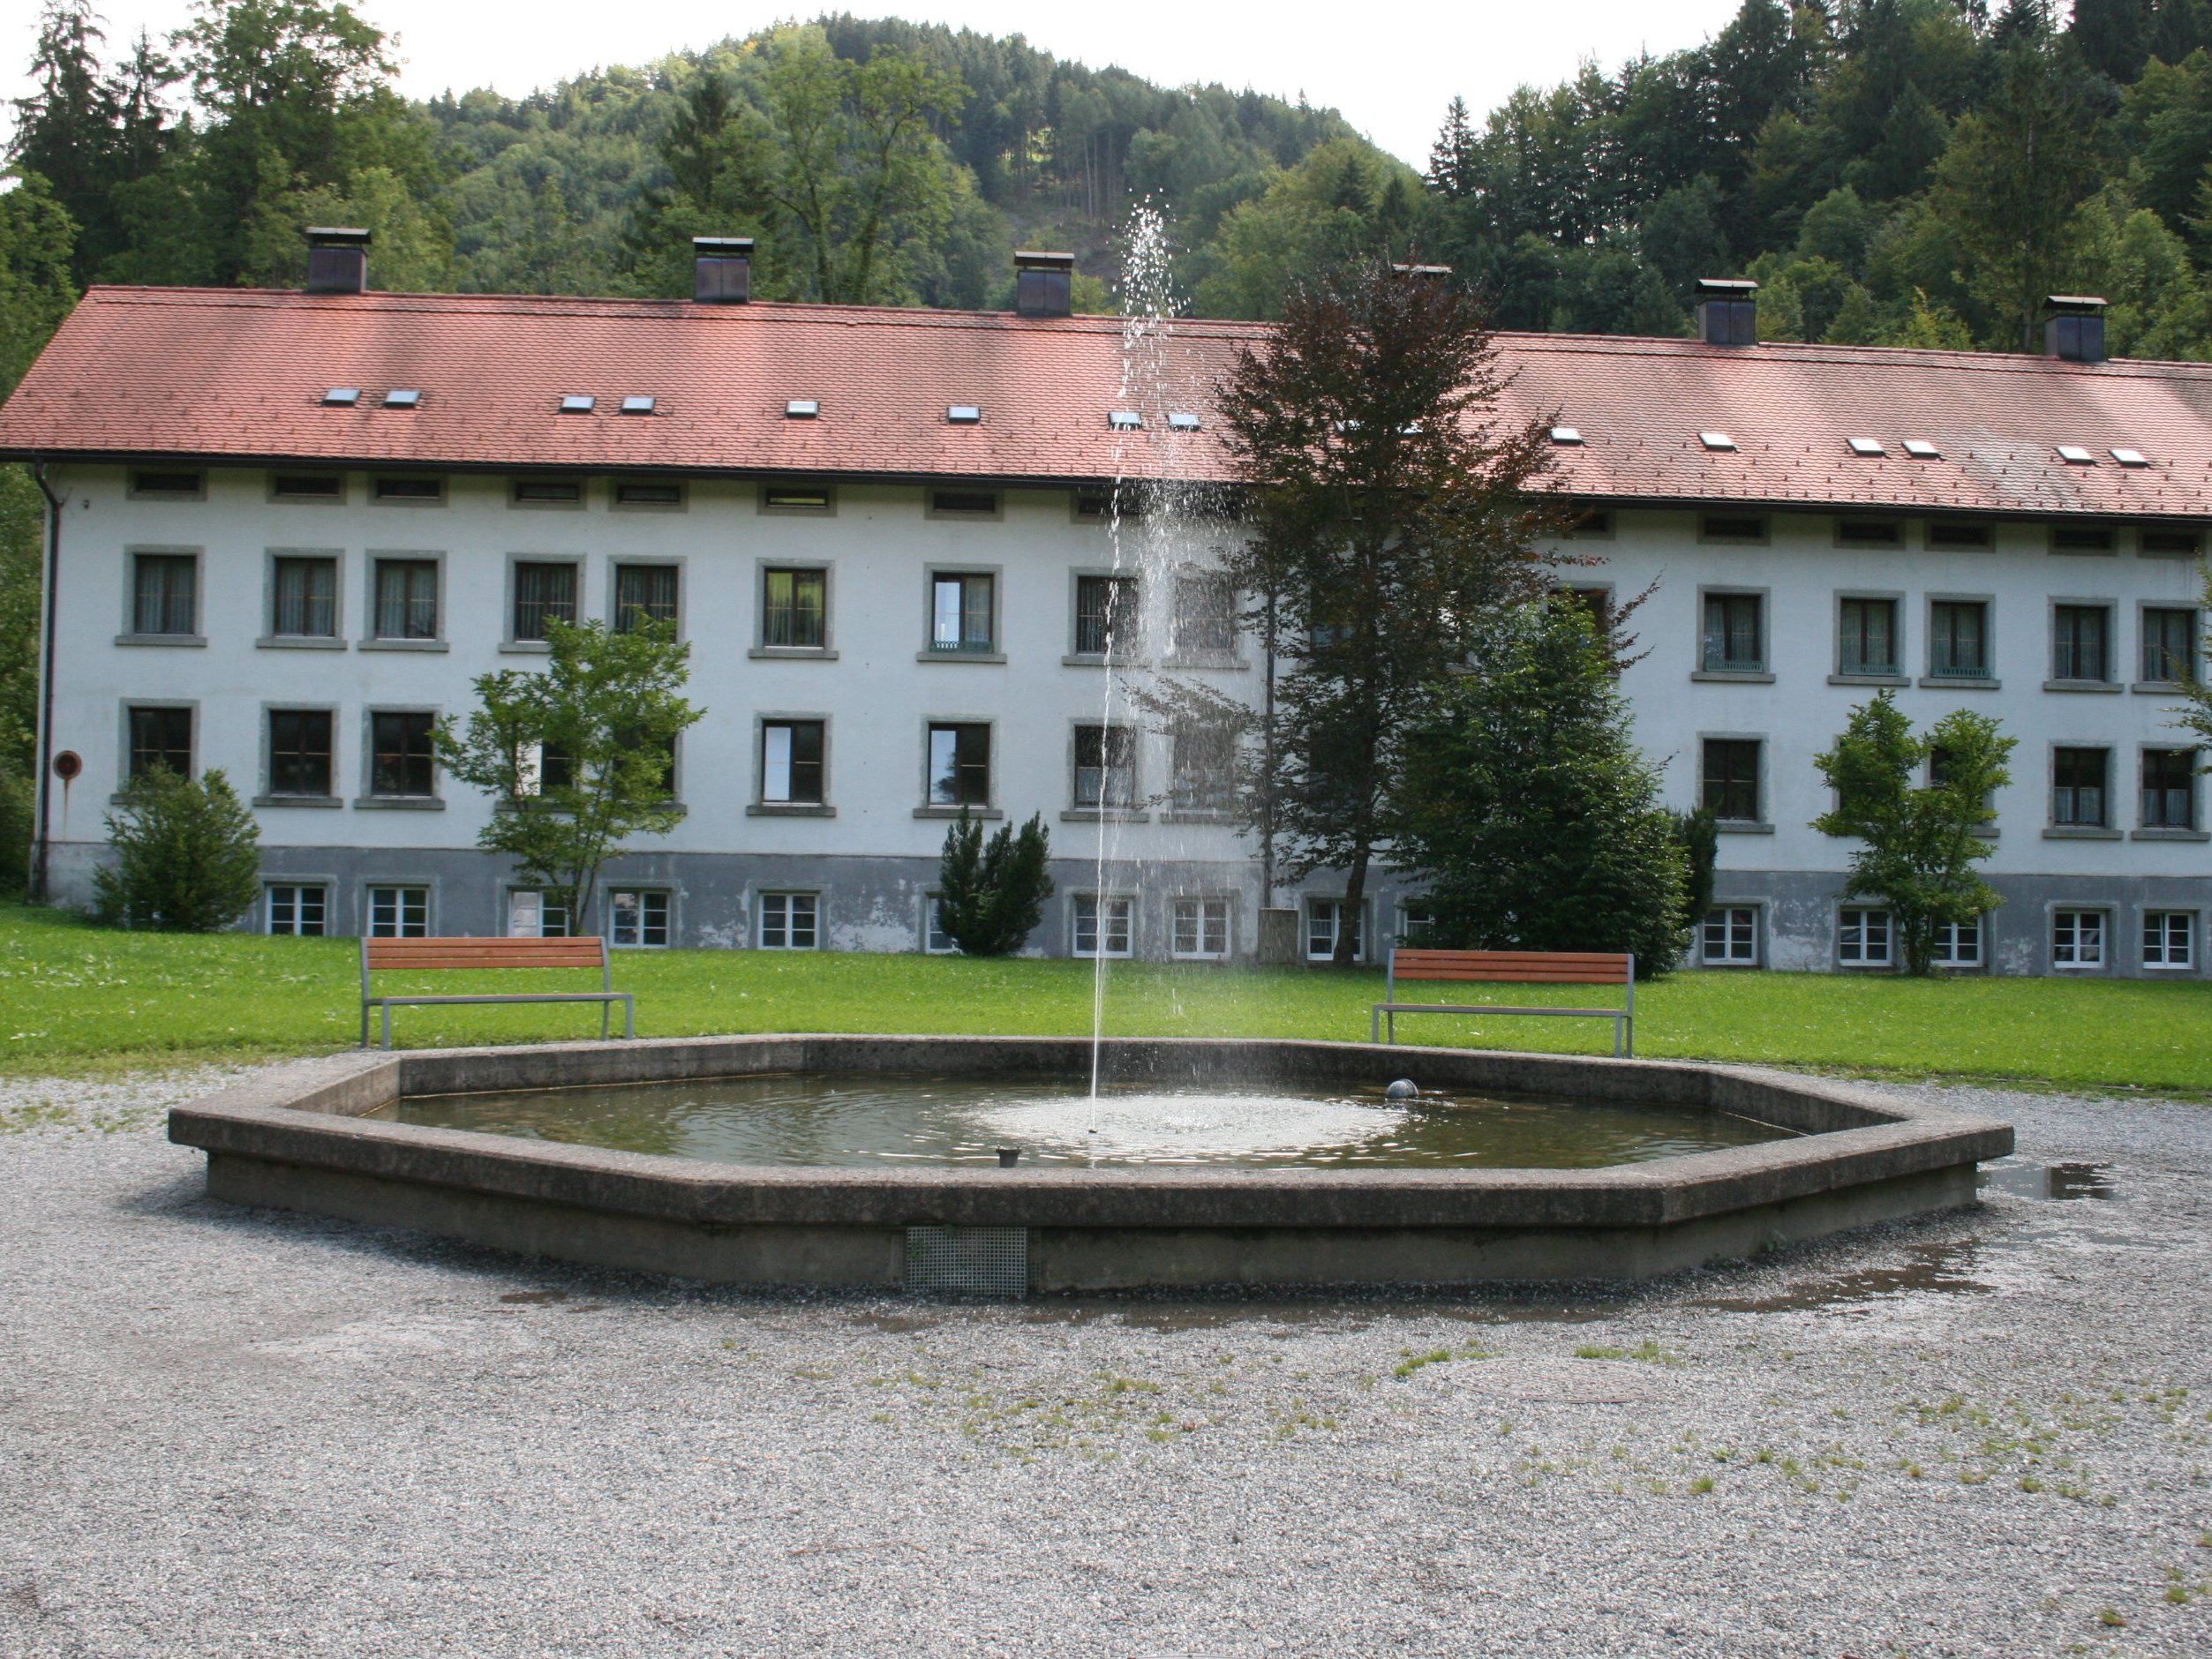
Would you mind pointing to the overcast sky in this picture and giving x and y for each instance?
(1391, 67)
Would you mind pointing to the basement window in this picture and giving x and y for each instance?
(648, 492)
(2074, 455)
(546, 492)
(1716, 440)
(308, 486)
(578, 403)
(1952, 534)
(803, 408)
(1567, 437)
(410, 488)
(1921, 449)
(2189, 543)
(794, 497)
(1867, 447)
(2130, 457)
(1731, 527)
(637, 406)
(403, 397)
(342, 396)
(963, 414)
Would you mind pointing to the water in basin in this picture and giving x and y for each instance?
(859, 1120)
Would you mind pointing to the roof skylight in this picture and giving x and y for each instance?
(637, 405)
(577, 403)
(1124, 420)
(1921, 449)
(2130, 457)
(1869, 447)
(963, 414)
(1182, 421)
(2074, 455)
(1566, 435)
(803, 408)
(345, 397)
(1716, 440)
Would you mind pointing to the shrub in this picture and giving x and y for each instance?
(990, 895)
(187, 855)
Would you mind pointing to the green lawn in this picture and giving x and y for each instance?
(77, 998)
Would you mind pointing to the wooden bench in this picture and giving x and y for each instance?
(1511, 967)
(410, 956)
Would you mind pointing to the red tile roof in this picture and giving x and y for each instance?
(211, 374)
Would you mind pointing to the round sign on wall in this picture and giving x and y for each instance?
(67, 764)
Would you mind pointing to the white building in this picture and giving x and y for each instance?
(289, 529)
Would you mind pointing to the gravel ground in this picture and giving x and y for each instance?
(239, 1432)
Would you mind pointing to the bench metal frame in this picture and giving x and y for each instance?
(1383, 1020)
(606, 996)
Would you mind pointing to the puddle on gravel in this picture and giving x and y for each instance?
(2027, 1180)
(1942, 1267)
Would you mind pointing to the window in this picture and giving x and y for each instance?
(1201, 929)
(410, 488)
(1203, 760)
(964, 503)
(1731, 527)
(790, 763)
(2078, 639)
(1730, 936)
(960, 765)
(2162, 543)
(533, 914)
(789, 921)
(2169, 793)
(538, 491)
(638, 917)
(400, 756)
(165, 593)
(795, 497)
(935, 940)
(648, 492)
(1105, 767)
(162, 737)
(1415, 922)
(306, 599)
(1944, 536)
(2077, 788)
(2077, 939)
(1324, 919)
(1958, 944)
(299, 752)
(2169, 939)
(1869, 533)
(1732, 779)
(961, 616)
(1959, 639)
(540, 767)
(1105, 615)
(1205, 616)
(794, 609)
(2081, 538)
(406, 598)
(1591, 523)
(2170, 644)
(1863, 938)
(644, 593)
(1733, 644)
(543, 593)
(1595, 602)
(292, 907)
(168, 484)
(308, 486)
(1101, 926)
(399, 913)
(1099, 507)
(1868, 644)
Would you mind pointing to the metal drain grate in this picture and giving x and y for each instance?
(975, 1261)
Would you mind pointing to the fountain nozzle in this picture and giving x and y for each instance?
(1404, 1089)
(1009, 1156)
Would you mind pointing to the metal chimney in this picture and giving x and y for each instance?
(337, 259)
(1044, 284)
(1728, 311)
(721, 270)
(2075, 333)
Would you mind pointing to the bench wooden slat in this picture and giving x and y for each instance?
(464, 952)
(1535, 967)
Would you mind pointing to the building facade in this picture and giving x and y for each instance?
(291, 530)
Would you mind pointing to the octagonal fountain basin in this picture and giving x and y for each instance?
(982, 1164)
